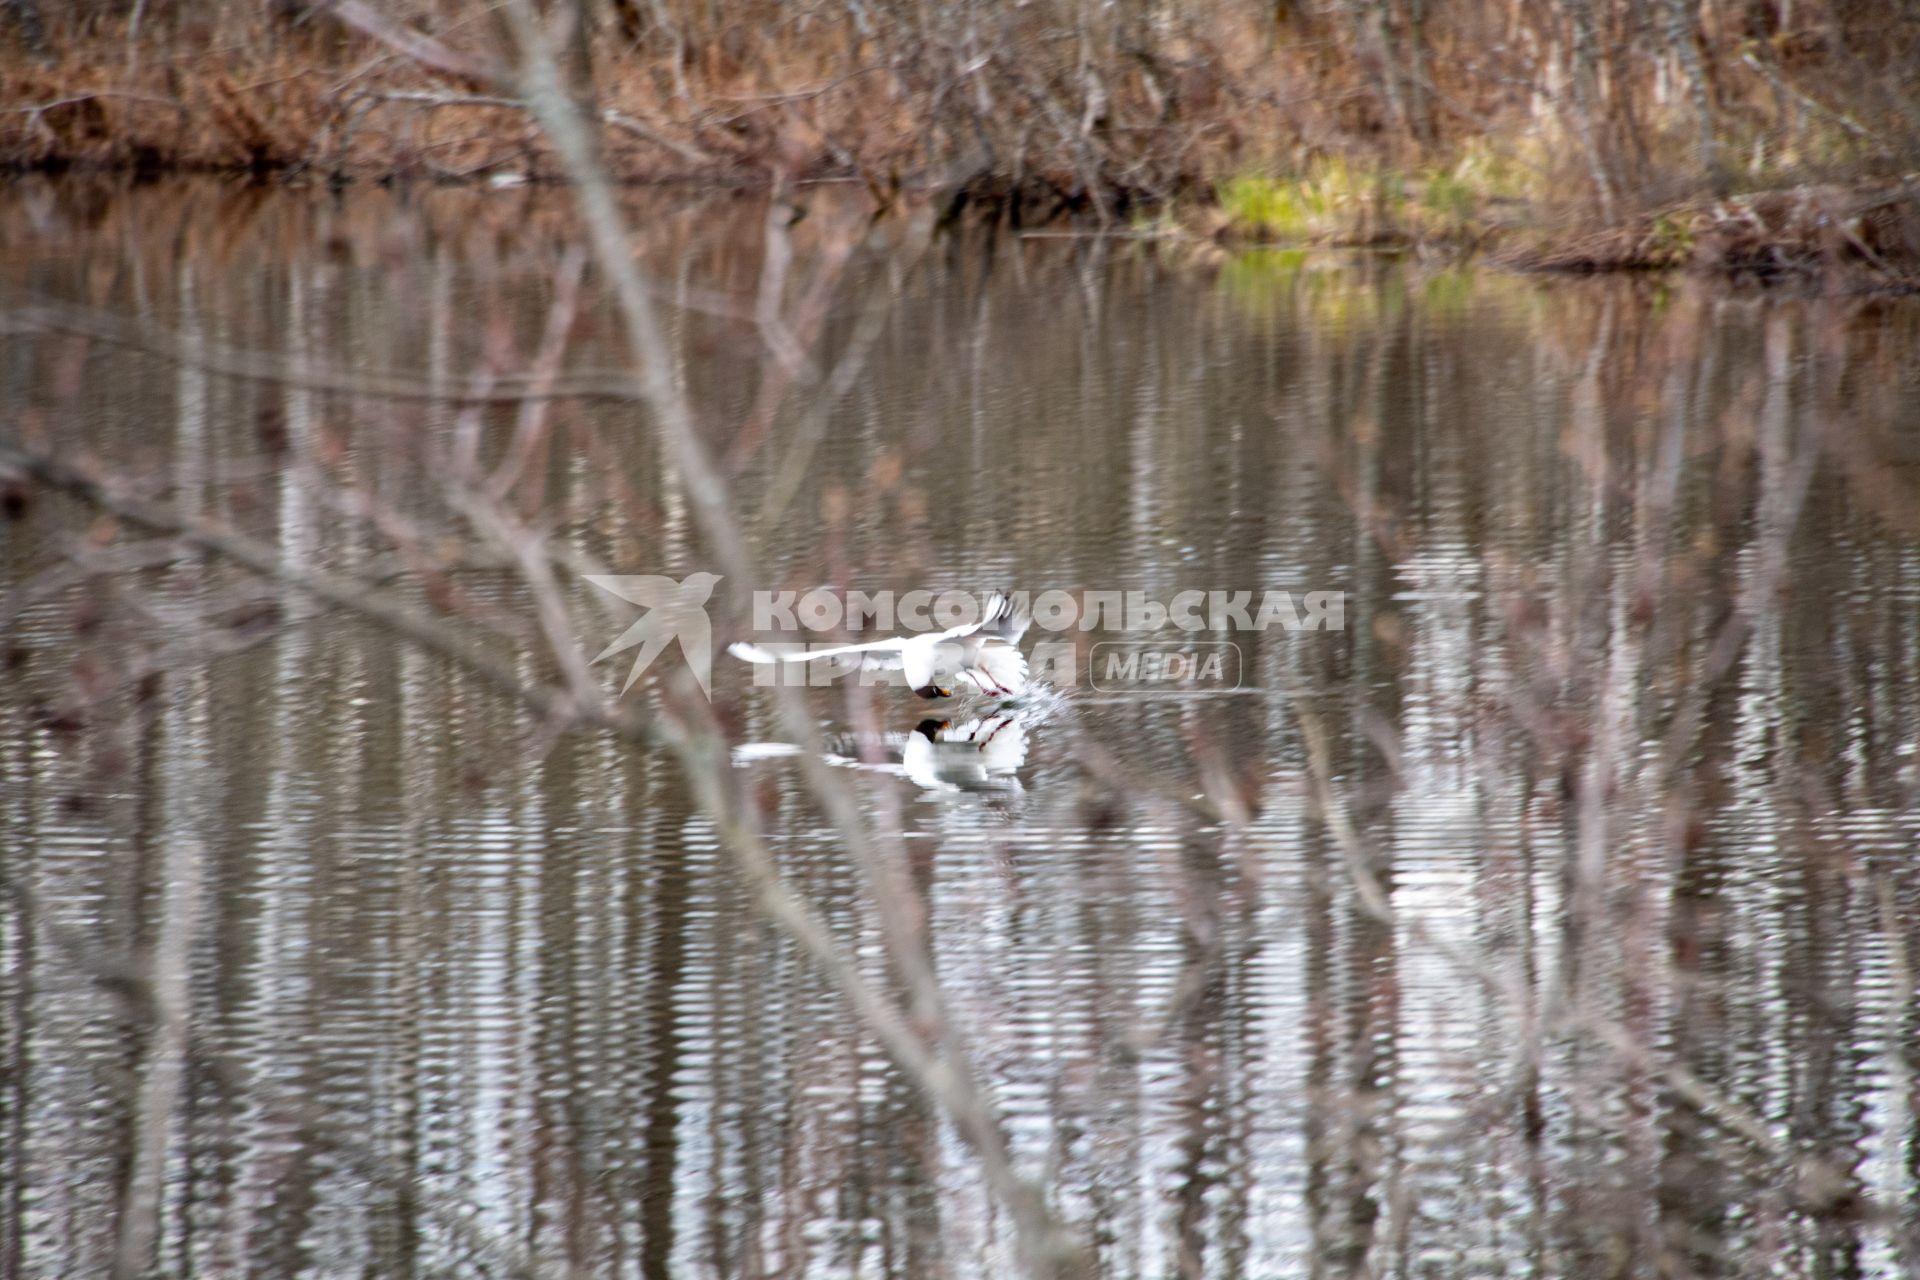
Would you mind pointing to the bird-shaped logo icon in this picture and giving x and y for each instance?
(675, 611)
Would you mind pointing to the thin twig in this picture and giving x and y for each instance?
(1047, 1247)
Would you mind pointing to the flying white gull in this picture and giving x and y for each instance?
(986, 654)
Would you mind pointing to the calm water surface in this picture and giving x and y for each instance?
(1624, 720)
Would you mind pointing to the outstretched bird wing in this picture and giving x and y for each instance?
(999, 620)
(880, 655)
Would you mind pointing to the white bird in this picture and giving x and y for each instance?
(985, 653)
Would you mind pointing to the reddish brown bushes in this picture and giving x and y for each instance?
(1613, 108)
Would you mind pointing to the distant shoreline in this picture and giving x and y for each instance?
(1226, 128)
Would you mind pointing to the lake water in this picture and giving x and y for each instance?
(1583, 942)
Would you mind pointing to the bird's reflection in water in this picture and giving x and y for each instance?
(981, 754)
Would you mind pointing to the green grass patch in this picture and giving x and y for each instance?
(1332, 200)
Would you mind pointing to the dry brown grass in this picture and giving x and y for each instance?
(1867, 234)
(1590, 136)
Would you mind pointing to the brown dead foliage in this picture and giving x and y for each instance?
(1868, 233)
(1627, 125)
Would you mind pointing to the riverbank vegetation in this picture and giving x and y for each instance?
(1758, 136)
